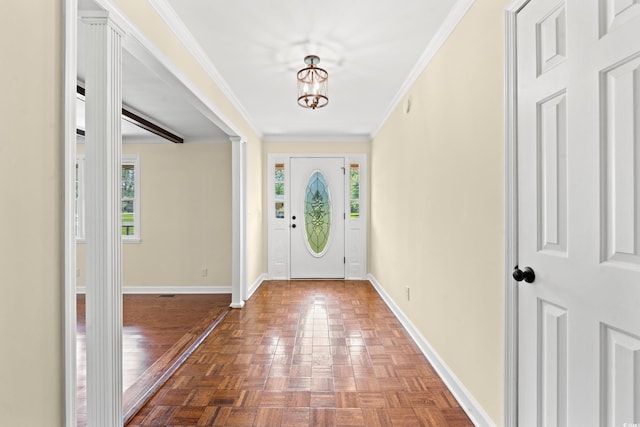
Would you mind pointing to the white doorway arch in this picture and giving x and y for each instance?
(139, 46)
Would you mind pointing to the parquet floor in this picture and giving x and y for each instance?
(302, 353)
(155, 329)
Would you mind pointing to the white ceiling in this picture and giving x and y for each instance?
(252, 48)
(149, 96)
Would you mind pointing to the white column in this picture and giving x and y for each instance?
(243, 221)
(103, 223)
(237, 223)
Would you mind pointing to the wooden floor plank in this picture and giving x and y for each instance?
(307, 353)
(158, 330)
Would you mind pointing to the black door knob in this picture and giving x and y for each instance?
(293, 226)
(293, 217)
(527, 274)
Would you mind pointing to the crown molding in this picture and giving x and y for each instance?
(173, 21)
(148, 53)
(458, 11)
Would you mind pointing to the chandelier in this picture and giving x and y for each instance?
(312, 84)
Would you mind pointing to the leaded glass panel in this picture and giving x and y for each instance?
(317, 213)
(279, 190)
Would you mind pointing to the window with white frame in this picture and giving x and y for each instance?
(129, 199)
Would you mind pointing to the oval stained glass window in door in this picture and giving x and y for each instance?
(317, 213)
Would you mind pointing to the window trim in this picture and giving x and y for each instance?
(128, 159)
(134, 159)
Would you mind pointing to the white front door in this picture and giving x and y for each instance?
(317, 218)
(578, 169)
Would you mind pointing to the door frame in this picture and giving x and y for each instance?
(278, 230)
(69, 84)
(511, 214)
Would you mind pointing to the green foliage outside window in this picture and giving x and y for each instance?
(279, 190)
(128, 199)
(354, 186)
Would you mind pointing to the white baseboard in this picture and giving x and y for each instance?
(170, 290)
(466, 400)
(255, 285)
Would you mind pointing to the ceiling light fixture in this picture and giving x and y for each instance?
(312, 84)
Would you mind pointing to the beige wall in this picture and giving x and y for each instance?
(315, 147)
(437, 204)
(186, 217)
(31, 190)
(145, 18)
(256, 245)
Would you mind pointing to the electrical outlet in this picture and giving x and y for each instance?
(205, 272)
(408, 291)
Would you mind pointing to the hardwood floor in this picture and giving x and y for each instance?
(157, 330)
(300, 353)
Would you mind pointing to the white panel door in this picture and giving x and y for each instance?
(317, 218)
(578, 145)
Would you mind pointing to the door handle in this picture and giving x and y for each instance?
(527, 274)
(293, 226)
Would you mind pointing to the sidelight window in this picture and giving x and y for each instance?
(354, 190)
(279, 190)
